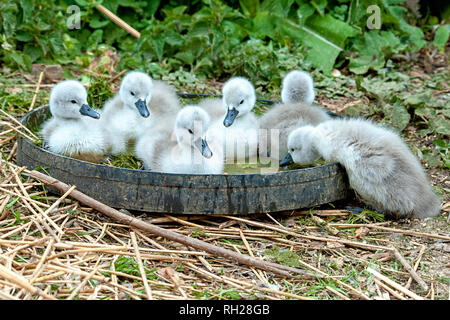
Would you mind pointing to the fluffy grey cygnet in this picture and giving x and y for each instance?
(295, 111)
(163, 106)
(297, 86)
(73, 130)
(381, 169)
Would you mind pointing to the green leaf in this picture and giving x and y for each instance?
(324, 36)
(332, 29)
(158, 46)
(173, 38)
(249, 7)
(380, 89)
(397, 115)
(27, 7)
(95, 23)
(263, 25)
(416, 99)
(374, 48)
(441, 126)
(82, 3)
(278, 8)
(305, 10)
(319, 6)
(441, 37)
(95, 38)
(32, 51)
(21, 59)
(23, 36)
(9, 14)
(153, 6)
(185, 56)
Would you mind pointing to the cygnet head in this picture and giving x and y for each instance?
(297, 86)
(191, 125)
(300, 147)
(68, 100)
(136, 91)
(238, 98)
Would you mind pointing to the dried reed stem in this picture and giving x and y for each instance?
(394, 284)
(148, 291)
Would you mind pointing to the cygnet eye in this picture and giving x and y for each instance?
(132, 93)
(292, 149)
(190, 131)
(73, 101)
(242, 101)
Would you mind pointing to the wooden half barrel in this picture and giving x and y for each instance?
(142, 190)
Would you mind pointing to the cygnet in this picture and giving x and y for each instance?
(295, 111)
(122, 115)
(74, 129)
(381, 169)
(183, 150)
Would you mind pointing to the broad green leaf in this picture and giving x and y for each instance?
(324, 36)
(331, 29)
(441, 37)
(263, 25)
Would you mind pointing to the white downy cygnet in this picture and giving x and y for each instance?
(121, 115)
(184, 150)
(73, 130)
(238, 127)
(296, 110)
(381, 169)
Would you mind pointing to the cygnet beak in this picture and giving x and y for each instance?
(85, 110)
(141, 105)
(287, 160)
(230, 116)
(202, 145)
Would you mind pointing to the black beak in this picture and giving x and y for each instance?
(230, 116)
(287, 160)
(202, 145)
(85, 110)
(142, 107)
